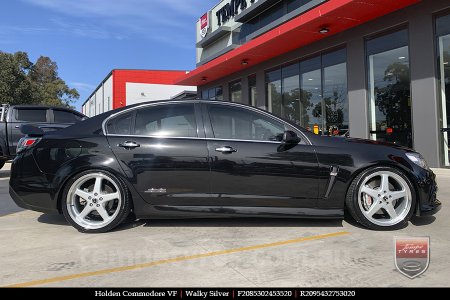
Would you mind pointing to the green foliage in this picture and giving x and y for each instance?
(22, 82)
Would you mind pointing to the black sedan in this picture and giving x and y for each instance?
(184, 159)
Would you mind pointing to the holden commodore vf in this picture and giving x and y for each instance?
(208, 159)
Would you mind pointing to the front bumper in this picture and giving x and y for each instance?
(428, 203)
(431, 209)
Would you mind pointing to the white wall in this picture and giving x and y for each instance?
(101, 101)
(108, 94)
(141, 92)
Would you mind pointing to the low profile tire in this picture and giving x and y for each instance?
(381, 198)
(95, 201)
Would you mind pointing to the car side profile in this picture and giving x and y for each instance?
(207, 159)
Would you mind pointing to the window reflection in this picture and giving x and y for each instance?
(443, 35)
(389, 89)
(252, 92)
(301, 92)
(214, 93)
(236, 91)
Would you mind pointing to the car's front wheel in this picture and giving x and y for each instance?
(381, 198)
(95, 201)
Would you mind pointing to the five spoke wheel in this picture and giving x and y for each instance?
(381, 198)
(94, 201)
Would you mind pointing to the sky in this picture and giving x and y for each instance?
(89, 38)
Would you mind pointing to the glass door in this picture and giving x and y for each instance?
(444, 62)
(390, 89)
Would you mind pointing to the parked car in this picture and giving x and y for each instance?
(46, 117)
(195, 158)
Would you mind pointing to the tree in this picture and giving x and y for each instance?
(22, 82)
(15, 86)
(47, 86)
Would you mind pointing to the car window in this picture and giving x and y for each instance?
(243, 124)
(177, 120)
(31, 115)
(61, 116)
(121, 124)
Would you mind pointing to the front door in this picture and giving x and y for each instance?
(163, 154)
(250, 167)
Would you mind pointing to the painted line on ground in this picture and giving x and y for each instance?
(176, 259)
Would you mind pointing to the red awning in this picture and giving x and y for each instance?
(337, 15)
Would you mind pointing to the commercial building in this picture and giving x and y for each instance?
(125, 87)
(376, 69)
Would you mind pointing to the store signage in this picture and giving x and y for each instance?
(230, 10)
(204, 25)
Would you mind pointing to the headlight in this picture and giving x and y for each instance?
(418, 160)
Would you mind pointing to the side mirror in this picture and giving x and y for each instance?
(291, 138)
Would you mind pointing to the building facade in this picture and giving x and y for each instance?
(376, 69)
(126, 87)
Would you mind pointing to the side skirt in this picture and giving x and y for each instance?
(167, 212)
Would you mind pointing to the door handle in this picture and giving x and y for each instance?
(444, 130)
(129, 145)
(17, 126)
(226, 149)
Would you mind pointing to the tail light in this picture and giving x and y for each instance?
(26, 143)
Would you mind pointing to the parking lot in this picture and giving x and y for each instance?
(43, 250)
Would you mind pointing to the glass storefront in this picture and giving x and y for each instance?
(215, 93)
(301, 92)
(443, 36)
(273, 91)
(235, 91)
(389, 89)
(252, 92)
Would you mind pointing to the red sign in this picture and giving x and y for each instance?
(412, 255)
(204, 25)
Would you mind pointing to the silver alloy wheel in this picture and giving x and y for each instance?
(94, 201)
(385, 198)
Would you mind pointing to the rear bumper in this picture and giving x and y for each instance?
(29, 187)
(21, 203)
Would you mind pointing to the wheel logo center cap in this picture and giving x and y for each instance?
(94, 200)
(385, 198)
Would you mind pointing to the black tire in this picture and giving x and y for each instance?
(353, 207)
(124, 209)
(2, 164)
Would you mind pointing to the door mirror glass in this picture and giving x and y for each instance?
(290, 137)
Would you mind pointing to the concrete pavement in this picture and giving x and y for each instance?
(43, 250)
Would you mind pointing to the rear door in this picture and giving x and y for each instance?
(163, 152)
(25, 115)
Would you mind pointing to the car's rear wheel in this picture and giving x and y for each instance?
(95, 201)
(381, 198)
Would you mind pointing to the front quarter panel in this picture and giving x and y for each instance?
(352, 157)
